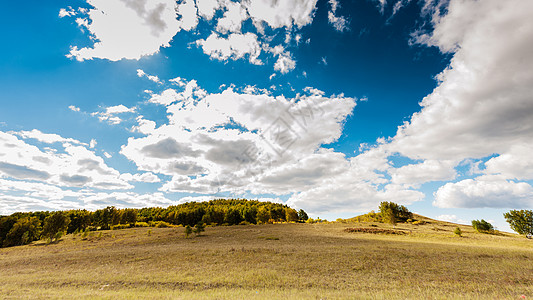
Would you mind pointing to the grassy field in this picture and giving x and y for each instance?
(279, 261)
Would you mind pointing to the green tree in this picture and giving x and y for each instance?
(6, 223)
(129, 216)
(233, 216)
(199, 228)
(188, 231)
(291, 215)
(54, 226)
(391, 212)
(263, 215)
(482, 226)
(520, 221)
(24, 231)
(302, 215)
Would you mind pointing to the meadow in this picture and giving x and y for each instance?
(274, 261)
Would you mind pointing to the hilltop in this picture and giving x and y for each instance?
(273, 261)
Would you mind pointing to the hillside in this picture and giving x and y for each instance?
(274, 261)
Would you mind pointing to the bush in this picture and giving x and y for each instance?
(482, 226)
(160, 224)
(520, 221)
(120, 226)
(188, 231)
(199, 228)
(458, 231)
(141, 224)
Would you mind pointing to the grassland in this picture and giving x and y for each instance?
(279, 261)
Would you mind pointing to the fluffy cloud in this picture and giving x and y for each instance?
(235, 47)
(131, 29)
(281, 13)
(71, 166)
(485, 191)
(481, 107)
(235, 141)
(110, 113)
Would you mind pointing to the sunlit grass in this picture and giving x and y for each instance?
(298, 261)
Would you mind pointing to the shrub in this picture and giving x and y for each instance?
(520, 221)
(199, 228)
(458, 231)
(141, 224)
(302, 215)
(482, 226)
(188, 231)
(419, 222)
(120, 226)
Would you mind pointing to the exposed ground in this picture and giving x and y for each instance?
(280, 261)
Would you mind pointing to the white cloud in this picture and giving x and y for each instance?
(70, 166)
(484, 191)
(66, 12)
(188, 12)
(199, 148)
(74, 108)
(92, 144)
(144, 177)
(284, 64)
(207, 8)
(48, 138)
(131, 29)
(338, 22)
(429, 170)
(235, 47)
(232, 19)
(153, 78)
(480, 108)
(281, 13)
(111, 112)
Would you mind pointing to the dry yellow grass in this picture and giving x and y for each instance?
(280, 261)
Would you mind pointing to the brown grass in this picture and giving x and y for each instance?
(280, 261)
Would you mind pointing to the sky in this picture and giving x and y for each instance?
(327, 106)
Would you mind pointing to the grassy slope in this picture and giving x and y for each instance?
(298, 261)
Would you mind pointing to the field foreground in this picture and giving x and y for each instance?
(280, 261)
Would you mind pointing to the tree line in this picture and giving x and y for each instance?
(24, 228)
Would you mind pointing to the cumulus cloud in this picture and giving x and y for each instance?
(48, 138)
(281, 13)
(481, 107)
(235, 46)
(71, 166)
(130, 29)
(484, 191)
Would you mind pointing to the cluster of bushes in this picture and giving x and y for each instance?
(389, 212)
(23, 228)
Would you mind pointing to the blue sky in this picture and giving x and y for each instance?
(330, 106)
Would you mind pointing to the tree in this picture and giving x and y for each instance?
(199, 228)
(263, 215)
(391, 212)
(129, 216)
(24, 231)
(302, 215)
(520, 221)
(188, 231)
(482, 226)
(291, 215)
(54, 226)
